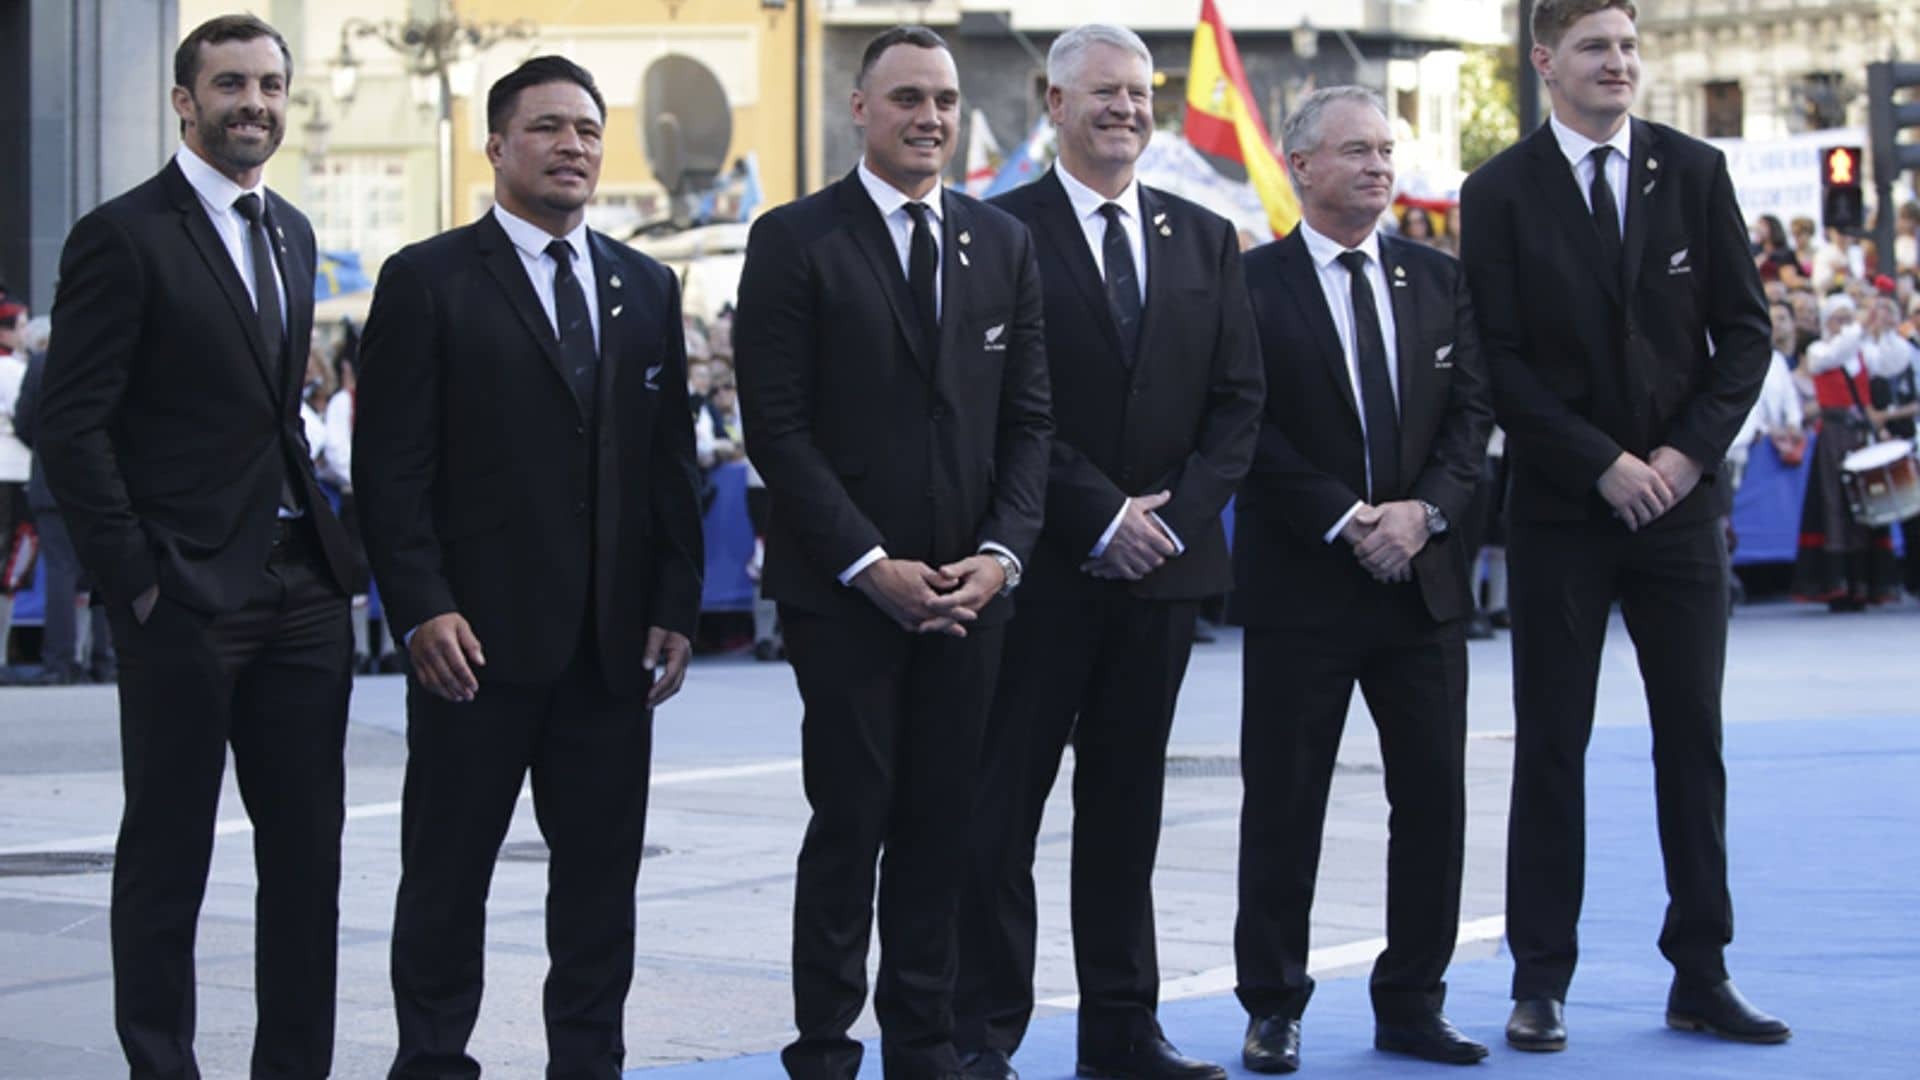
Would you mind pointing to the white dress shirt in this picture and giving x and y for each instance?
(530, 243)
(1576, 147)
(892, 204)
(1086, 204)
(1336, 285)
(217, 196)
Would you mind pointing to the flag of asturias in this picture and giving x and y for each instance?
(1223, 121)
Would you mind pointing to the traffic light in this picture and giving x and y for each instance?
(1842, 202)
(1886, 118)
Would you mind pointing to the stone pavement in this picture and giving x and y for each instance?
(727, 818)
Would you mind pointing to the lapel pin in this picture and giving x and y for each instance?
(963, 258)
(1165, 230)
(615, 282)
(1160, 218)
(1652, 163)
(965, 237)
(1399, 271)
(617, 309)
(1648, 190)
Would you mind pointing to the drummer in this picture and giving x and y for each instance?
(1840, 562)
(1889, 349)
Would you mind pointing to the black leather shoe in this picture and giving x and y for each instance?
(1151, 1058)
(1430, 1038)
(1272, 1046)
(987, 1065)
(1720, 1010)
(1537, 1024)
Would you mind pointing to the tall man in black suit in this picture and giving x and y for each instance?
(894, 378)
(524, 465)
(1151, 353)
(1627, 337)
(1349, 571)
(171, 438)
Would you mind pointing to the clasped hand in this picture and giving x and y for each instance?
(1385, 538)
(1138, 546)
(928, 600)
(1641, 491)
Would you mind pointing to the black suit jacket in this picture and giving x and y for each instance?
(482, 487)
(1310, 464)
(866, 435)
(1586, 364)
(162, 431)
(1182, 418)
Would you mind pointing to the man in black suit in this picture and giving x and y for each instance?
(1349, 571)
(171, 438)
(1156, 378)
(893, 373)
(1627, 337)
(523, 461)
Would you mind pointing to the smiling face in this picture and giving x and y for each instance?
(1593, 73)
(1104, 113)
(909, 108)
(235, 114)
(1346, 179)
(546, 160)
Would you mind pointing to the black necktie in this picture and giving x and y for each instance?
(266, 306)
(577, 352)
(1376, 387)
(1606, 216)
(923, 263)
(1123, 281)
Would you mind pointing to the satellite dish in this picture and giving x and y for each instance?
(686, 123)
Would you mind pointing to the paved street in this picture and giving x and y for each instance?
(727, 818)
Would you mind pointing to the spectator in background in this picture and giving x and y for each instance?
(720, 333)
(1906, 237)
(72, 650)
(1805, 239)
(1416, 225)
(699, 385)
(1806, 327)
(716, 426)
(1890, 351)
(1777, 414)
(1774, 253)
(1841, 563)
(15, 463)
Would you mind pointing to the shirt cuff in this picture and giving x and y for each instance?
(861, 563)
(988, 545)
(1100, 545)
(1334, 533)
(406, 639)
(1179, 548)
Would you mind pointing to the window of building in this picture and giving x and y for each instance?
(358, 202)
(1726, 110)
(1819, 102)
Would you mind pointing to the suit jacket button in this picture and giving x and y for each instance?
(580, 509)
(579, 433)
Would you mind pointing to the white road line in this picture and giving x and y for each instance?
(671, 778)
(1221, 979)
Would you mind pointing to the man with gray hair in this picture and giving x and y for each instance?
(1150, 344)
(1347, 571)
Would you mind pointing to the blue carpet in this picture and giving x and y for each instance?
(1823, 820)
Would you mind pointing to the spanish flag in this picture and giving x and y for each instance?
(1223, 121)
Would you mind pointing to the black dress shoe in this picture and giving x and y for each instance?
(1719, 1009)
(1151, 1058)
(1537, 1024)
(1430, 1038)
(987, 1065)
(1272, 1046)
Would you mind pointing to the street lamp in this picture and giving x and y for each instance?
(432, 48)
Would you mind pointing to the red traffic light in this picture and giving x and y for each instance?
(1842, 166)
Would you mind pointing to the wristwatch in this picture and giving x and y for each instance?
(1010, 566)
(1436, 521)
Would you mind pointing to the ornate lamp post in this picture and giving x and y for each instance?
(432, 48)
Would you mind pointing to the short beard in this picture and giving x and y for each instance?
(225, 150)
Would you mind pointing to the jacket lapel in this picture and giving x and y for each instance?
(1412, 370)
(296, 273)
(1556, 181)
(862, 219)
(1643, 186)
(199, 229)
(1060, 228)
(1153, 217)
(1303, 283)
(503, 262)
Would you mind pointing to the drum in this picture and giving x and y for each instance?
(1882, 482)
